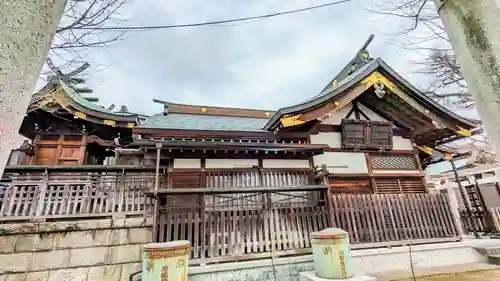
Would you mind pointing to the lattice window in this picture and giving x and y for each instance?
(390, 162)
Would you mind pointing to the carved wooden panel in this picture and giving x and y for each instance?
(366, 134)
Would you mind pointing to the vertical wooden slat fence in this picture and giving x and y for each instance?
(371, 218)
(244, 231)
(269, 226)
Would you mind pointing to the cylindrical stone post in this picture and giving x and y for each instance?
(27, 29)
(331, 253)
(165, 261)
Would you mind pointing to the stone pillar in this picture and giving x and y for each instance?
(453, 196)
(473, 29)
(27, 29)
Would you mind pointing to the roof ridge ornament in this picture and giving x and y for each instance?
(361, 58)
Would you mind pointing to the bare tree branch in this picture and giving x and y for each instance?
(71, 42)
(426, 34)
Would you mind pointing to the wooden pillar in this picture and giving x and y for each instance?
(156, 197)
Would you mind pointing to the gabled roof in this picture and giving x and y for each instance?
(57, 93)
(358, 76)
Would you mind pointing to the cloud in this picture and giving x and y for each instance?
(268, 63)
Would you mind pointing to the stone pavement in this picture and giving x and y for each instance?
(397, 275)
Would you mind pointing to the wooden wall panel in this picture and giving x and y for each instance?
(46, 155)
(185, 179)
(353, 186)
(59, 150)
(400, 185)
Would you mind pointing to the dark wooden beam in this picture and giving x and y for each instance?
(212, 134)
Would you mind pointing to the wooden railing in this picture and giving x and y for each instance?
(272, 229)
(38, 192)
(86, 191)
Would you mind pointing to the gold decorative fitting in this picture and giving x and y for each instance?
(425, 149)
(130, 125)
(80, 115)
(109, 123)
(464, 132)
(336, 103)
(291, 121)
(334, 83)
(203, 110)
(268, 113)
(426, 111)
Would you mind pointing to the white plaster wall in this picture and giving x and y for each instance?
(342, 162)
(231, 163)
(400, 143)
(332, 139)
(372, 115)
(286, 163)
(187, 163)
(381, 172)
(337, 116)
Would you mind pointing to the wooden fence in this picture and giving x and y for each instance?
(38, 192)
(85, 192)
(245, 231)
(375, 218)
(267, 228)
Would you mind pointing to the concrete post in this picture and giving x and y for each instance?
(27, 29)
(473, 29)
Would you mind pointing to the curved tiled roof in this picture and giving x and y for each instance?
(357, 76)
(180, 121)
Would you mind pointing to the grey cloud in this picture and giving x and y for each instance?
(266, 64)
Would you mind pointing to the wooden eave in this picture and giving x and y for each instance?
(408, 108)
(198, 145)
(213, 110)
(214, 134)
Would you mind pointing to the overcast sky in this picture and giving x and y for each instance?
(266, 64)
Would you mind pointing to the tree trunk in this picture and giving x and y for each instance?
(473, 29)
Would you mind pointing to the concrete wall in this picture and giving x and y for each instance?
(91, 250)
(490, 194)
(370, 261)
